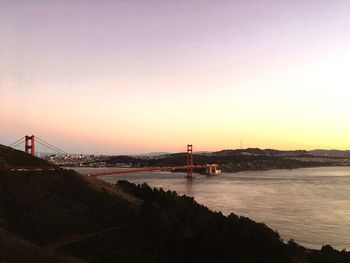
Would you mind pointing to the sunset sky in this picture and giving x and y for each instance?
(133, 76)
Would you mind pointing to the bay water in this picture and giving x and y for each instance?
(311, 206)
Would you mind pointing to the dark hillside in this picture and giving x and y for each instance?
(11, 158)
(44, 206)
(16, 250)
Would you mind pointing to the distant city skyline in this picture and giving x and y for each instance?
(126, 77)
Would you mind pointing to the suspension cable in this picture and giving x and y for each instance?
(16, 145)
(16, 142)
(50, 146)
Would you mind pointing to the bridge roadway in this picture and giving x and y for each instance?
(145, 169)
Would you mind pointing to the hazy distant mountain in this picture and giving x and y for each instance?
(154, 154)
(261, 152)
(333, 152)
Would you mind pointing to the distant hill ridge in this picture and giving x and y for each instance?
(262, 152)
(258, 151)
(334, 152)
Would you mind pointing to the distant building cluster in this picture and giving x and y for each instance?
(75, 160)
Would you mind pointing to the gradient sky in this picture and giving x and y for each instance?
(117, 77)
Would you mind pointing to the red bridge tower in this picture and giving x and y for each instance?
(30, 144)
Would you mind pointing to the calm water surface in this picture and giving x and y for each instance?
(312, 205)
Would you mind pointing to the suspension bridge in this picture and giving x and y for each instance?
(29, 143)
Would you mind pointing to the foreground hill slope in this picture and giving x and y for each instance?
(55, 215)
(11, 158)
(44, 206)
(17, 250)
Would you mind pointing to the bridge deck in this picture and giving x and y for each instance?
(145, 169)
